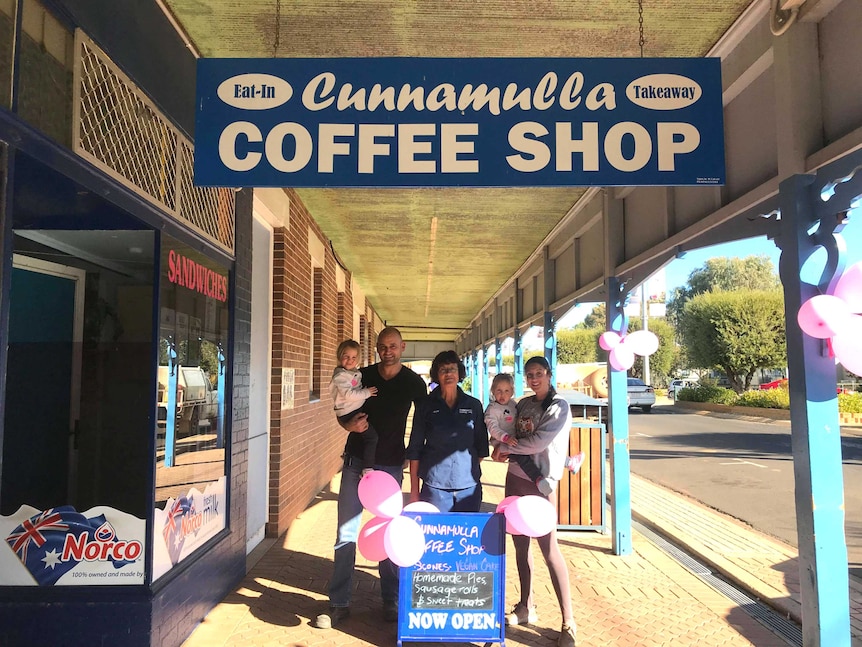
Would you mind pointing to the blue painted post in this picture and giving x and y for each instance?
(551, 346)
(618, 426)
(498, 354)
(815, 426)
(468, 363)
(474, 383)
(518, 372)
(485, 378)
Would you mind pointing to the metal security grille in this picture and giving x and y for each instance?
(117, 128)
(210, 210)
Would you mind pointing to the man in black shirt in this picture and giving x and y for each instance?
(398, 388)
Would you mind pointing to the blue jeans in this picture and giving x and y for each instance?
(349, 523)
(464, 500)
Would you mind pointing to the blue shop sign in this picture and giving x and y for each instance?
(455, 593)
(433, 122)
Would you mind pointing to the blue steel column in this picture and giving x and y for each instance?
(618, 426)
(551, 346)
(485, 378)
(498, 355)
(518, 371)
(474, 383)
(815, 427)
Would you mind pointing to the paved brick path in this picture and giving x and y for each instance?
(641, 599)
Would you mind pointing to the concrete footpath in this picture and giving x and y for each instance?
(646, 598)
(766, 568)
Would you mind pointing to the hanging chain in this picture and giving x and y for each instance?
(276, 42)
(641, 26)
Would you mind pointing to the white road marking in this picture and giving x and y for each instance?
(739, 461)
(645, 435)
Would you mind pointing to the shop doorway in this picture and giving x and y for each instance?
(43, 378)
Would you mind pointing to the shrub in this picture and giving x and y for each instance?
(850, 402)
(769, 399)
(708, 393)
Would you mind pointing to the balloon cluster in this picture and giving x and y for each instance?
(530, 515)
(835, 316)
(389, 534)
(622, 349)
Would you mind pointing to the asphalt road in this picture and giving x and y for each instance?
(742, 468)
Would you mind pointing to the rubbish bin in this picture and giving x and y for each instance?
(581, 496)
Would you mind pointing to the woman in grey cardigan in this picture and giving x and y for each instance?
(543, 425)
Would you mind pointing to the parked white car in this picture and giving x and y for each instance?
(640, 394)
(677, 385)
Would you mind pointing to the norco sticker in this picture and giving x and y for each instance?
(255, 91)
(61, 546)
(663, 92)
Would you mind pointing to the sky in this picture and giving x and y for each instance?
(676, 272)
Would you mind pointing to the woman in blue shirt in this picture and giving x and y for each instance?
(448, 441)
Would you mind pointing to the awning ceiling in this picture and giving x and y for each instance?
(432, 258)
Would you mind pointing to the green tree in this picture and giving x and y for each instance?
(724, 274)
(578, 345)
(738, 332)
(596, 319)
(664, 361)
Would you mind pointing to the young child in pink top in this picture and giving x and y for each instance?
(500, 421)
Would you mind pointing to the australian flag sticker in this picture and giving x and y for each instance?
(78, 548)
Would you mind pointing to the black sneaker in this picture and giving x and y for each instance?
(331, 619)
(390, 611)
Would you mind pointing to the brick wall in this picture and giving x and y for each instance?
(306, 442)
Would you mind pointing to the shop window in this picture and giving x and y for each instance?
(191, 394)
(316, 355)
(78, 411)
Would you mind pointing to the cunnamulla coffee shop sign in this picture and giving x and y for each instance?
(428, 122)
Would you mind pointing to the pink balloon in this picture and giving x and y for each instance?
(641, 342)
(505, 503)
(532, 515)
(621, 358)
(823, 316)
(421, 506)
(609, 340)
(404, 541)
(501, 507)
(380, 494)
(848, 346)
(849, 287)
(370, 542)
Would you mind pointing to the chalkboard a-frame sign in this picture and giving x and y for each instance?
(455, 593)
